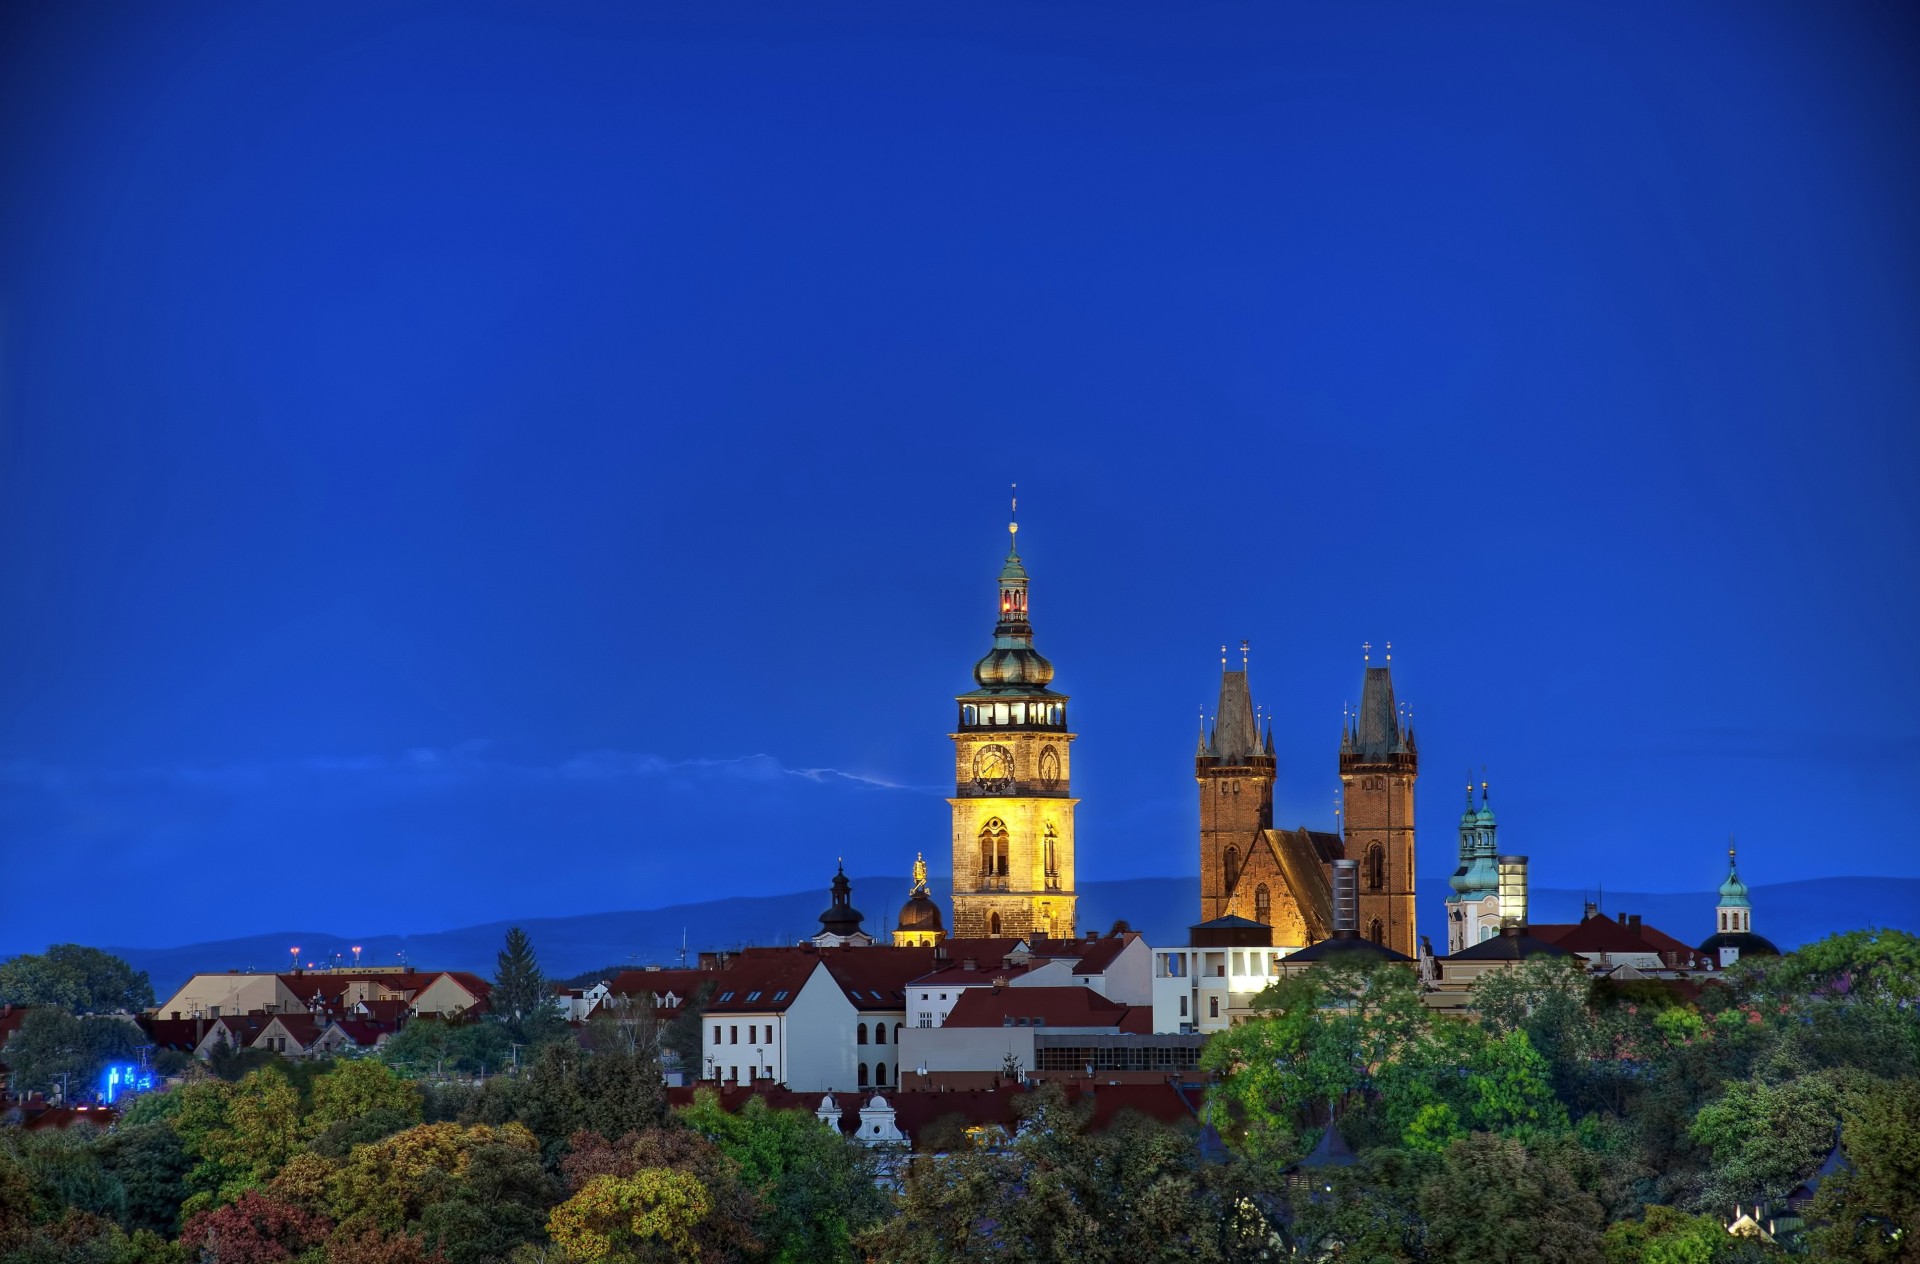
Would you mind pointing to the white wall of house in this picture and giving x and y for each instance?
(1127, 979)
(742, 1047)
(1206, 989)
(819, 1037)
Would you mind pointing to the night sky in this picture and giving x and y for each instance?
(468, 462)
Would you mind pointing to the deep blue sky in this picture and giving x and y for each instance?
(464, 462)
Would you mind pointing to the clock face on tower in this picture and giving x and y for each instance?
(993, 770)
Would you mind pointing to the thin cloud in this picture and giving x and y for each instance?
(427, 766)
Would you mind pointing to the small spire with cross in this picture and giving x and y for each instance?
(1223, 658)
(1013, 513)
(1366, 651)
(1243, 654)
(1389, 651)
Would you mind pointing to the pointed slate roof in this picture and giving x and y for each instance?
(1234, 736)
(1379, 727)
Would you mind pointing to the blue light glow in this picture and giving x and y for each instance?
(125, 1077)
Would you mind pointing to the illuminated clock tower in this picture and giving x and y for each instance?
(1012, 806)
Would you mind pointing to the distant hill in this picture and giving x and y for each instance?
(1789, 913)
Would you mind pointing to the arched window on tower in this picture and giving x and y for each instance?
(1232, 869)
(993, 926)
(860, 1034)
(1376, 932)
(879, 1033)
(993, 848)
(863, 1075)
(1262, 904)
(1376, 867)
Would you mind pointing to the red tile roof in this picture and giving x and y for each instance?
(982, 975)
(1047, 1007)
(876, 978)
(683, 984)
(762, 984)
(1601, 933)
(363, 1033)
(1097, 956)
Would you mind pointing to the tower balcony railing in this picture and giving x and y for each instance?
(993, 882)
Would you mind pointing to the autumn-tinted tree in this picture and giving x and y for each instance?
(351, 1090)
(726, 1235)
(254, 1229)
(650, 1216)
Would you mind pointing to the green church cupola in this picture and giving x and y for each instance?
(1733, 892)
(1479, 873)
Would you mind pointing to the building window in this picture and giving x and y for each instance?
(879, 1033)
(1262, 905)
(993, 926)
(1050, 768)
(1183, 1007)
(993, 848)
(1376, 932)
(1232, 867)
(1376, 867)
(860, 1034)
(896, 1032)
(880, 1074)
(1213, 1007)
(733, 1036)
(863, 1075)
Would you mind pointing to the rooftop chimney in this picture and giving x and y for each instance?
(1346, 899)
(1513, 894)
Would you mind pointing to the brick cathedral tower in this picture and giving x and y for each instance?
(1235, 768)
(1378, 766)
(1012, 805)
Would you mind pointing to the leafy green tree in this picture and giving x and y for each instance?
(1871, 1212)
(1492, 1201)
(65, 1170)
(1862, 966)
(500, 1203)
(1666, 1236)
(240, 1134)
(1321, 1035)
(1765, 1138)
(423, 1049)
(817, 1187)
(518, 986)
(76, 978)
(151, 1165)
(53, 1048)
(1135, 1192)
